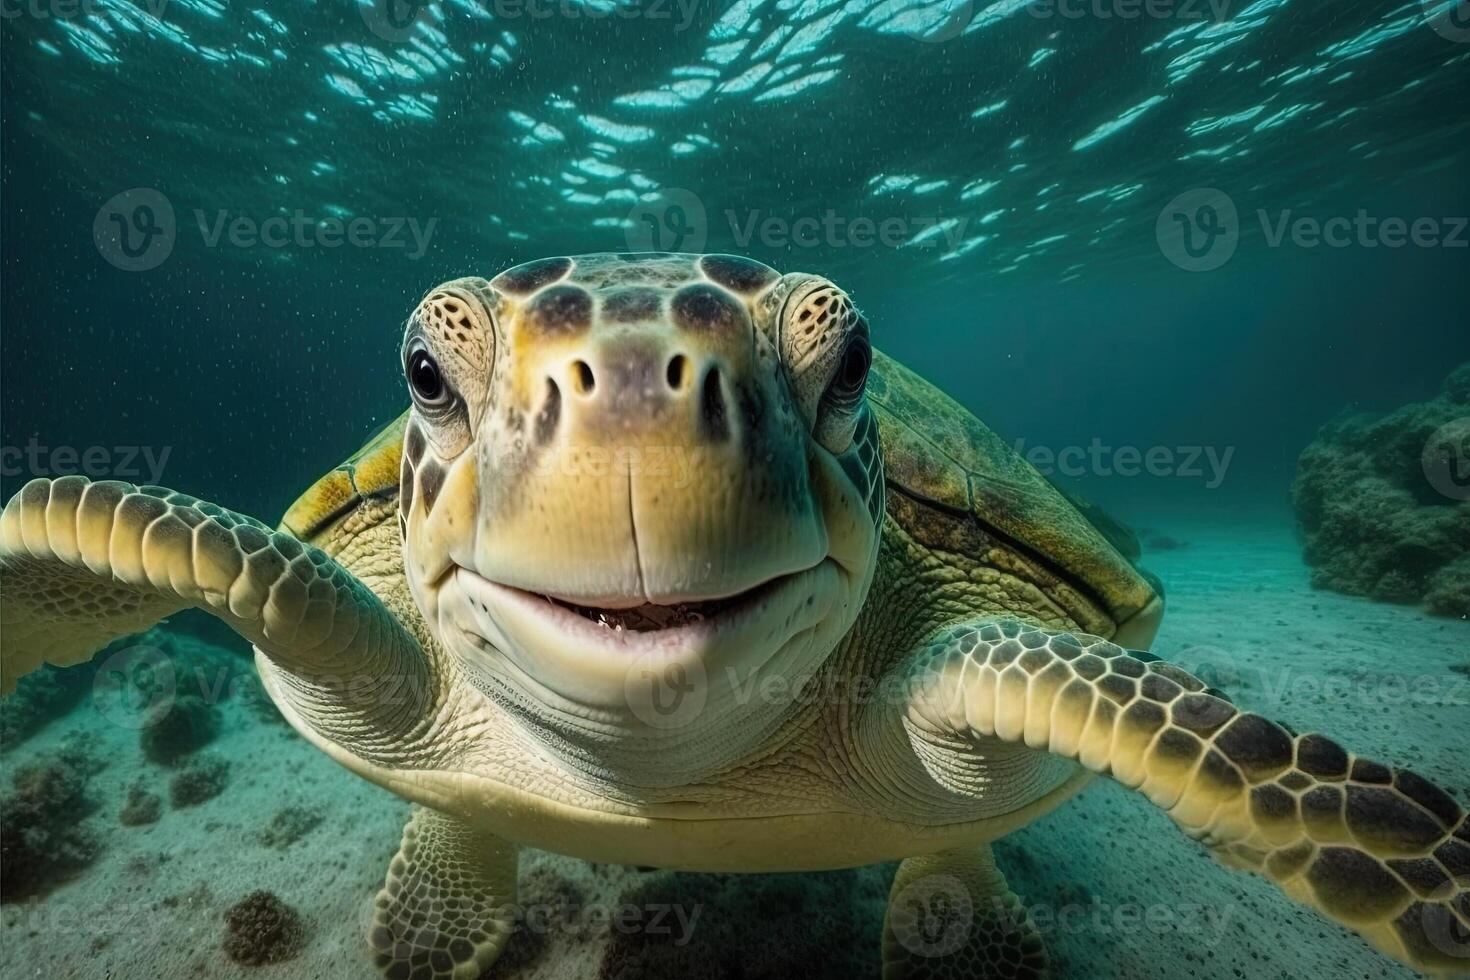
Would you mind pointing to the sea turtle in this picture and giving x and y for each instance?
(667, 566)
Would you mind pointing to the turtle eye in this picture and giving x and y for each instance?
(852, 371)
(425, 379)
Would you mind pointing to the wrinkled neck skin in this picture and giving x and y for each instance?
(624, 713)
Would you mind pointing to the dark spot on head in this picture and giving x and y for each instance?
(714, 419)
(550, 414)
(737, 273)
(431, 481)
(632, 304)
(559, 310)
(703, 308)
(531, 276)
(413, 445)
(405, 488)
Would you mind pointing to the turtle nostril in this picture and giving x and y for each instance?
(676, 371)
(585, 381)
(712, 407)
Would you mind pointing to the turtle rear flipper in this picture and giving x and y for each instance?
(1379, 849)
(951, 916)
(84, 563)
(447, 907)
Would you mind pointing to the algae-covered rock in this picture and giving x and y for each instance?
(1380, 504)
(141, 807)
(289, 825)
(260, 928)
(203, 779)
(39, 698)
(42, 840)
(178, 727)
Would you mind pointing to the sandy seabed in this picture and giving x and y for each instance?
(1119, 891)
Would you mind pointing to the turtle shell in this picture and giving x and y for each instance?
(940, 458)
(370, 472)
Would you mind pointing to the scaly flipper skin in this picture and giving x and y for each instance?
(951, 916)
(84, 563)
(447, 907)
(1379, 849)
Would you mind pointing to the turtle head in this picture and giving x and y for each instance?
(634, 485)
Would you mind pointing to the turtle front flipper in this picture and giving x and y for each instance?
(83, 563)
(1379, 849)
(951, 916)
(447, 907)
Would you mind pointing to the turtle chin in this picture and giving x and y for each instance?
(643, 694)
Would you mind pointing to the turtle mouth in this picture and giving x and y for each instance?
(627, 620)
(652, 617)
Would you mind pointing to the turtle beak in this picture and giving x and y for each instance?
(1137, 632)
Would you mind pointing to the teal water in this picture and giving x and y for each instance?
(1156, 246)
